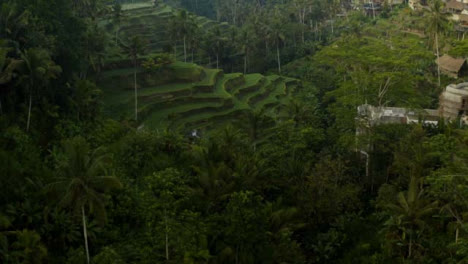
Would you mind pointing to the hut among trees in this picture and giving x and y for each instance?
(454, 7)
(451, 66)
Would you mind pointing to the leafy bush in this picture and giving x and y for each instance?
(158, 61)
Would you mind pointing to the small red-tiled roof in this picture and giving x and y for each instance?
(455, 5)
(450, 64)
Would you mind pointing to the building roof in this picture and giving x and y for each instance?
(455, 5)
(397, 115)
(463, 18)
(450, 64)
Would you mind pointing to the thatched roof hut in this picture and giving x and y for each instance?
(450, 66)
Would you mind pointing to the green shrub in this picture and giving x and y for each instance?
(157, 61)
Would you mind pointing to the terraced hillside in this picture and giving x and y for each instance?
(151, 24)
(188, 96)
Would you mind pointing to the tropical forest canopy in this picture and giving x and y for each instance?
(224, 131)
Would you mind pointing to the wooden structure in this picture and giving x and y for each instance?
(454, 7)
(450, 66)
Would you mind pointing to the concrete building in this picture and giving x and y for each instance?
(454, 101)
(453, 104)
(396, 115)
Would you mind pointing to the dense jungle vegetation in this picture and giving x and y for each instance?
(224, 131)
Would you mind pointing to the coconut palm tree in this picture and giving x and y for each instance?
(246, 43)
(13, 21)
(298, 111)
(437, 21)
(7, 68)
(194, 40)
(409, 212)
(173, 31)
(275, 34)
(186, 26)
(82, 181)
(37, 69)
(29, 248)
(255, 123)
(135, 47)
(4, 246)
(117, 16)
(216, 42)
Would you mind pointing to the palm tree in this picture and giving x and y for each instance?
(29, 247)
(37, 70)
(275, 35)
(437, 21)
(173, 29)
(13, 21)
(82, 181)
(4, 225)
(186, 27)
(298, 111)
(7, 67)
(86, 100)
(194, 39)
(117, 15)
(218, 42)
(409, 212)
(215, 180)
(246, 42)
(255, 123)
(96, 49)
(134, 49)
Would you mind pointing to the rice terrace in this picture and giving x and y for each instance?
(182, 95)
(233, 132)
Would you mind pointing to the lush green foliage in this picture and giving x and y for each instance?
(282, 186)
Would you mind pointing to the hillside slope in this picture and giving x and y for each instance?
(151, 24)
(186, 95)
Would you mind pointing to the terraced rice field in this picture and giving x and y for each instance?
(151, 23)
(185, 95)
(211, 98)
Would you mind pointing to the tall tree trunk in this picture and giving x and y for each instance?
(319, 34)
(136, 92)
(457, 232)
(85, 233)
(373, 9)
(437, 54)
(29, 111)
(185, 50)
(279, 59)
(117, 33)
(410, 246)
(237, 254)
(303, 33)
(217, 61)
(167, 234)
(245, 65)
